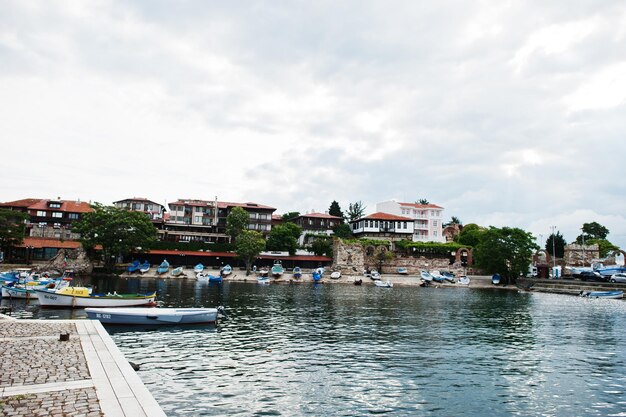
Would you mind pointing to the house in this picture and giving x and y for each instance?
(205, 221)
(383, 226)
(153, 210)
(427, 219)
(315, 224)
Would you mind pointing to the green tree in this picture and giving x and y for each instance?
(12, 228)
(604, 245)
(291, 215)
(591, 231)
(422, 201)
(322, 246)
(507, 251)
(559, 245)
(355, 210)
(335, 210)
(249, 244)
(382, 256)
(284, 237)
(343, 231)
(118, 231)
(236, 222)
(470, 235)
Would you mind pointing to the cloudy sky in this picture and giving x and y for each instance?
(506, 113)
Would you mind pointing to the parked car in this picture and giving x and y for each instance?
(590, 276)
(619, 277)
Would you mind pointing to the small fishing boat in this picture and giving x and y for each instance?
(383, 284)
(176, 272)
(602, 294)
(201, 276)
(215, 279)
(448, 276)
(426, 276)
(164, 267)
(358, 281)
(463, 280)
(335, 275)
(297, 272)
(227, 270)
(263, 280)
(263, 272)
(277, 269)
(79, 297)
(437, 276)
(134, 267)
(198, 268)
(495, 279)
(316, 276)
(402, 271)
(375, 275)
(154, 315)
(144, 267)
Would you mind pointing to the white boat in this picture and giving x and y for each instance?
(603, 294)
(375, 275)
(263, 280)
(402, 271)
(335, 275)
(227, 270)
(176, 272)
(463, 280)
(263, 272)
(153, 315)
(201, 276)
(383, 284)
(426, 276)
(80, 297)
(277, 269)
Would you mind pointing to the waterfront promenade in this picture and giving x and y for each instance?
(86, 375)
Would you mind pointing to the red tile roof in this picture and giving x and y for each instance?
(37, 242)
(26, 202)
(67, 206)
(320, 216)
(386, 216)
(191, 253)
(421, 206)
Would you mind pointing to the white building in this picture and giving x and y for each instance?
(427, 219)
(383, 226)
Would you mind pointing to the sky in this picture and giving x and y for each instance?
(505, 113)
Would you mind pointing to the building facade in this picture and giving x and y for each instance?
(383, 226)
(427, 219)
(313, 224)
(154, 211)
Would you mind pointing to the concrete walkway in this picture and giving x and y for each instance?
(86, 375)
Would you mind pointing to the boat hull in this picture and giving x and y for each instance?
(12, 292)
(52, 299)
(604, 294)
(151, 316)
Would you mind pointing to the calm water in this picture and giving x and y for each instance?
(305, 350)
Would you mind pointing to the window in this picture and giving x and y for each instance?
(73, 216)
(57, 225)
(54, 205)
(435, 233)
(41, 213)
(197, 219)
(331, 224)
(57, 214)
(198, 209)
(435, 223)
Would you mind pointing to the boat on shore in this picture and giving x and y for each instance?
(437, 276)
(198, 268)
(154, 315)
(383, 284)
(603, 294)
(335, 275)
(495, 279)
(134, 267)
(402, 271)
(80, 297)
(426, 276)
(375, 275)
(176, 272)
(463, 280)
(164, 267)
(277, 269)
(316, 276)
(215, 279)
(263, 280)
(263, 272)
(144, 267)
(227, 270)
(297, 272)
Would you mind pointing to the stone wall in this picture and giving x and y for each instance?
(75, 259)
(348, 258)
(573, 255)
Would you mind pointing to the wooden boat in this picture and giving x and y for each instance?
(602, 294)
(164, 267)
(134, 267)
(383, 284)
(495, 279)
(153, 315)
(297, 272)
(144, 267)
(402, 271)
(263, 280)
(198, 268)
(277, 269)
(176, 272)
(215, 279)
(335, 275)
(227, 270)
(426, 276)
(79, 297)
(463, 280)
(316, 276)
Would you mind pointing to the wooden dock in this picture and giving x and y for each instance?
(86, 375)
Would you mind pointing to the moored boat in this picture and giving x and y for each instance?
(198, 268)
(297, 272)
(437, 276)
(375, 275)
(154, 315)
(215, 279)
(263, 280)
(164, 267)
(134, 267)
(227, 270)
(277, 269)
(316, 276)
(79, 297)
(495, 279)
(402, 271)
(176, 272)
(426, 276)
(335, 275)
(463, 280)
(603, 294)
(383, 284)
(144, 267)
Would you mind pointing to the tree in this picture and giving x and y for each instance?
(591, 231)
(470, 235)
(355, 211)
(455, 220)
(335, 210)
(322, 246)
(559, 245)
(343, 231)
(236, 222)
(12, 228)
(284, 237)
(507, 251)
(291, 215)
(118, 231)
(422, 201)
(604, 245)
(381, 256)
(249, 245)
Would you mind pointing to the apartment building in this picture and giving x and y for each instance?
(427, 219)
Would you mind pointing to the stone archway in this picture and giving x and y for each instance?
(469, 254)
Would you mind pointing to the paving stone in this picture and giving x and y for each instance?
(31, 404)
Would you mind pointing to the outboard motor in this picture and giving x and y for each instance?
(221, 312)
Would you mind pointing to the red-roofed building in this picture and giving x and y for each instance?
(153, 210)
(383, 226)
(316, 224)
(427, 219)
